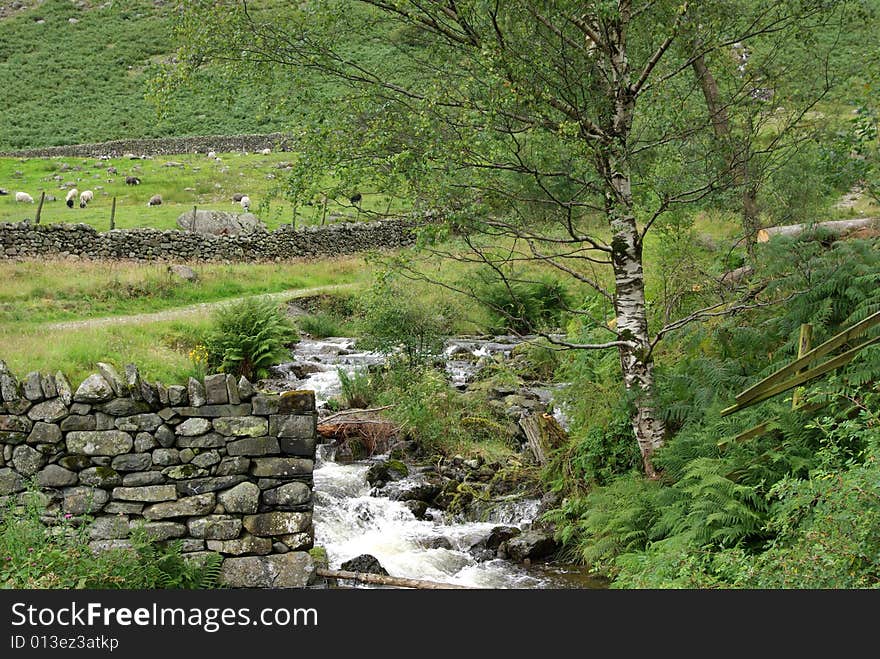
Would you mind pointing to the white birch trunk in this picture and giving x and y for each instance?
(629, 282)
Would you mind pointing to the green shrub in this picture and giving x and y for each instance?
(356, 388)
(319, 325)
(520, 305)
(249, 336)
(393, 318)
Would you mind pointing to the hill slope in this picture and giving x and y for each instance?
(77, 72)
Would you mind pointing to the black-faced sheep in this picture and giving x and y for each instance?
(132, 180)
(155, 200)
(85, 197)
(70, 197)
(24, 197)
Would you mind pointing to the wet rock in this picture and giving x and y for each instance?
(364, 563)
(532, 545)
(419, 509)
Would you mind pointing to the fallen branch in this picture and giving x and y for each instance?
(385, 580)
(839, 228)
(356, 411)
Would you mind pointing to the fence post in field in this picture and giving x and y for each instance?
(40, 207)
(113, 214)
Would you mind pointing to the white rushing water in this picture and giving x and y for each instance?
(316, 363)
(349, 522)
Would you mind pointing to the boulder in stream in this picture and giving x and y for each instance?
(531, 545)
(364, 563)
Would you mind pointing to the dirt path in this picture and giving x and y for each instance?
(191, 310)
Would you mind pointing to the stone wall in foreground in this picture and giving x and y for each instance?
(26, 240)
(213, 463)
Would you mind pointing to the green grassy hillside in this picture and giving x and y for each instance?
(74, 75)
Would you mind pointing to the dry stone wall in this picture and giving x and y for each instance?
(161, 146)
(213, 463)
(26, 240)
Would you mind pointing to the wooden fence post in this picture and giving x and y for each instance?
(804, 342)
(113, 214)
(40, 207)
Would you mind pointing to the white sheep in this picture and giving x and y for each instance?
(212, 154)
(155, 200)
(266, 151)
(85, 197)
(245, 202)
(70, 197)
(24, 197)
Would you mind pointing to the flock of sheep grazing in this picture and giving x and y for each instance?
(86, 196)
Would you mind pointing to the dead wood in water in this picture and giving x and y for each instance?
(385, 580)
(543, 433)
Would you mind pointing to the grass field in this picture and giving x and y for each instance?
(38, 293)
(184, 181)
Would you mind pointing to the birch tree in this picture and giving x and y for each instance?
(549, 131)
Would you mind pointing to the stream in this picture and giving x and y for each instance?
(352, 519)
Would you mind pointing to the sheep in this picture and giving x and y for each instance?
(355, 198)
(266, 151)
(155, 200)
(24, 197)
(85, 197)
(212, 154)
(237, 197)
(245, 202)
(71, 195)
(132, 180)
